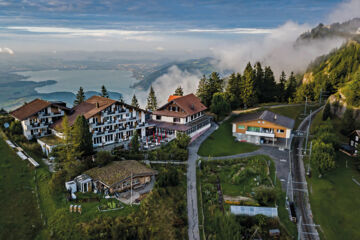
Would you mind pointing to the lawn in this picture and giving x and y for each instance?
(222, 143)
(335, 200)
(19, 213)
(294, 112)
(239, 178)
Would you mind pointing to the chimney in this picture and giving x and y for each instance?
(192, 106)
(97, 105)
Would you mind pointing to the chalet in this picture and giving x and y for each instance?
(119, 176)
(354, 141)
(181, 114)
(37, 116)
(110, 121)
(263, 127)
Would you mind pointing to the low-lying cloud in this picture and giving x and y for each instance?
(276, 49)
(6, 51)
(345, 11)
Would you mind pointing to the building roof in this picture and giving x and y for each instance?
(172, 97)
(252, 211)
(189, 103)
(171, 126)
(89, 108)
(357, 132)
(29, 109)
(118, 171)
(267, 116)
(33, 107)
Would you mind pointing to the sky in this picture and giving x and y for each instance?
(193, 26)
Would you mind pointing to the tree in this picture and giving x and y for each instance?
(248, 92)
(82, 136)
(179, 91)
(80, 97)
(134, 102)
(259, 82)
(15, 128)
(135, 144)
(269, 86)
(104, 92)
(348, 121)
(281, 87)
(202, 90)
(291, 87)
(182, 140)
(327, 112)
(151, 100)
(233, 90)
(219, 105)
(103, 158)
(68, 150)
(323, 155)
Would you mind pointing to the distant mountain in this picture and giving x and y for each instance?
(202, 65)
(346, 30)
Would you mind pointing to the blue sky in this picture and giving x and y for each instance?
(166, 25)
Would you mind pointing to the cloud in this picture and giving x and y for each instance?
(276, 50)
(233, 30)
(160, 49)
(345, 11)
(7, 51)
(167, 83)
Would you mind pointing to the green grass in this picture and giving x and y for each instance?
(222, 143)
(294, 112)
(19, 213)
(335, 200)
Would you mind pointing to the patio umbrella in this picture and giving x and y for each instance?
(165, 134)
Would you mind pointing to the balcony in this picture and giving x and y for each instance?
(260, 133)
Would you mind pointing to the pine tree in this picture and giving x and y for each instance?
(259, 82)
(219, 105)
(151, 100)
(134, 102)
(233, 90)
(327, 112)
(104, 92)
(281, 87)
(82, 136)
(291, 87)
(179, 91)
(80, 97)
(135, 144)
(202, 90)
(248, 92)
(269, 86)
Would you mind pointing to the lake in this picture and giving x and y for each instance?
(91, 80)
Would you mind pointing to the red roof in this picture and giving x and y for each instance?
(30, 109)
(172, 97)
(190, 104)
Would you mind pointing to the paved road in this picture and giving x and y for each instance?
(301, 198)
(193, 218)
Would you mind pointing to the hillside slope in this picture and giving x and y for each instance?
(337, 74)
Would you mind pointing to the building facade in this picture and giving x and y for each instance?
(354, 140)
(263, 128)
(181, 114)
(37, 116)
(110, 121)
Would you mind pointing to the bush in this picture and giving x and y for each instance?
(103, 158)
(57, 181)
(265, 195)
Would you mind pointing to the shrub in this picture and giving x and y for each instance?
(265, 195)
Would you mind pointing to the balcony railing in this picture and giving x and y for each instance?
(261, 133)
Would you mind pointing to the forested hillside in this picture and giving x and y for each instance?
(336, 73)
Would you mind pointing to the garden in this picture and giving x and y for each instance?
(243, 181)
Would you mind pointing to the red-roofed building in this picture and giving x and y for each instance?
(181, 114)
(37, 115)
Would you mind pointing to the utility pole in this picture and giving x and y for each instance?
(320, 96)
(305, 106)
(131, 189)
(299, 229)
(307, 132)
(309, 166)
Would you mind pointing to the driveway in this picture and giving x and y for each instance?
(193, 218)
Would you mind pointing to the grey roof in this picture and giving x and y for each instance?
(252, 211)
(267, 116)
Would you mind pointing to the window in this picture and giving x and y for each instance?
(241, 127)
(176, 119)
(357, 138)
(158, 117)
(254, 129)
(280, 130)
